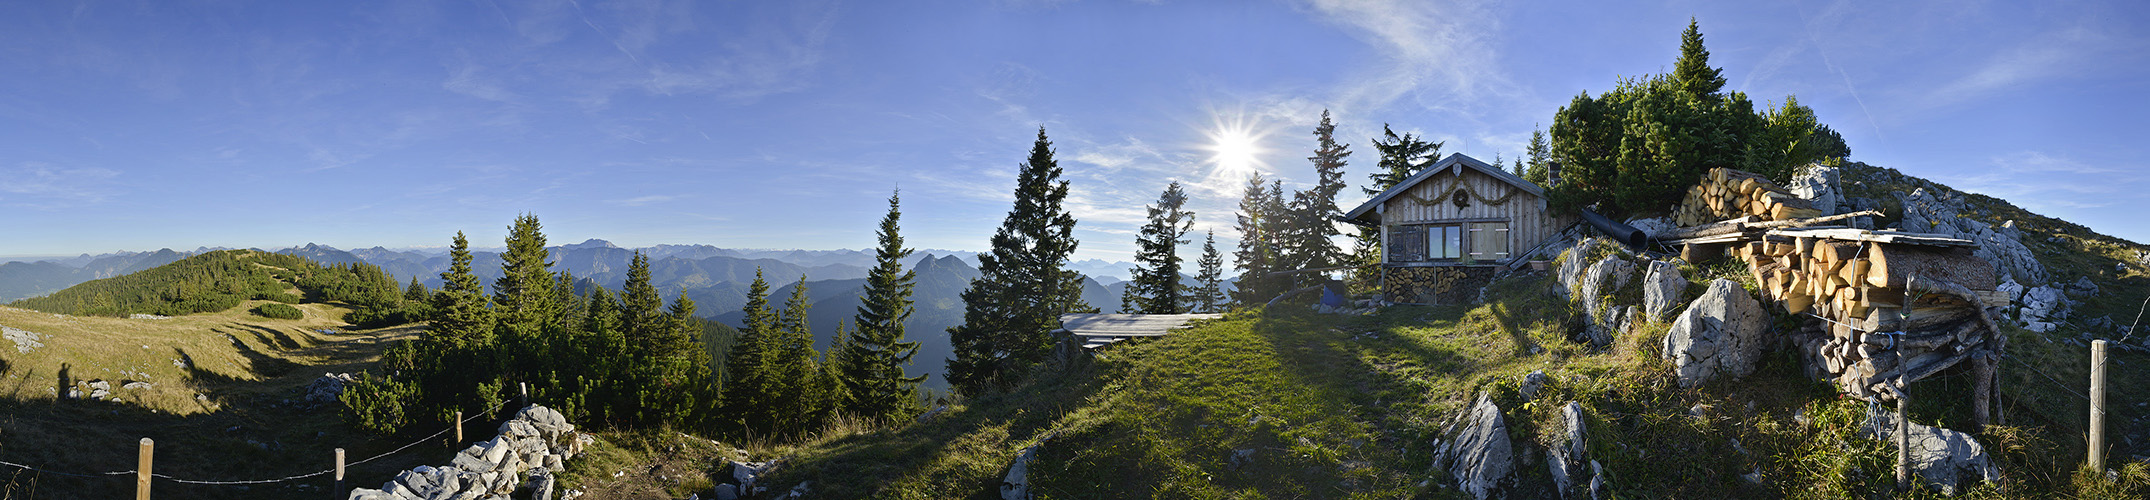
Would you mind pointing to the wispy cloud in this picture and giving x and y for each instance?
(1437, 53)
(643, 200)
(46, 186)
(2038, 180)
(2062, 53)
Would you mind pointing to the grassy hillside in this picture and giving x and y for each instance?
(212, 281)
(224, 402)
(1352, 406)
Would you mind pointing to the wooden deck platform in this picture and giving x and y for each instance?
(1099, 330)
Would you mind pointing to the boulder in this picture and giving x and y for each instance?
(325, 389)
(1575, 260)
(1719, 335)
(1016, 485)
(2082, 287)
(1931, 212)
(1602, 278)
(1482, 459)
(1532, 382)
(2013, 290)
(1653, 226)
(1566, 460)
(1942, 458)
(1662, 285)
(1818, 184)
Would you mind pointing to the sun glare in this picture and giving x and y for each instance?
(1234, 149)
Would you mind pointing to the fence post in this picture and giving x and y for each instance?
(458, 429)
(2097, 405)
(525, 387)
(1903, 435)
(141, 469)
(338, 493)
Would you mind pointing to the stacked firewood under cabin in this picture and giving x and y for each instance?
(1885, 307)
(1726, 193)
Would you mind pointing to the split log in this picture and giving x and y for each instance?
(1895, 265)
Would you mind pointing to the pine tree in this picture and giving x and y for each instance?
(1023, 287)
(1693, 72)
(417, 293)
(1209, 296)
(751, 387)
(801, 395)
(523, 295)
(463, 317)
(872, 361)
(1401, 157)
(1154, 285)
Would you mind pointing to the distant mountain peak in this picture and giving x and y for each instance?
(590, 243)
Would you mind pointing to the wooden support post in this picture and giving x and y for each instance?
(1903, 430)
(141, 469)
(525, 388)
(458, 429)
(1986, 371)
(2097, 405)
(338, 492)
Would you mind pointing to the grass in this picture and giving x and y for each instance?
(223, 404)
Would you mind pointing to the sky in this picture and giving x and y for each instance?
(153, 124)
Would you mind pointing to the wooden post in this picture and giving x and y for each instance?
(2097, 405)
(338, 492)
(525, 388)
(458, 429)
(1984, 371)
(141, 469)
(1903, 436)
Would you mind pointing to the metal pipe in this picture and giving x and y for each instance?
(1625, 234)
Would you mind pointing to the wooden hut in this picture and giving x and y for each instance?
(1446, 229)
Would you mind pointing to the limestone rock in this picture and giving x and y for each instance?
(25, 340)
(1601, 279)
(2042, 308)
(1653, 226)
(1818, 184)
(1566, 460)
(1719, 335)
(1532, 382)
(1575, 260)
(1941, 457)
(1016, 485)
(1483, 459)
(325, 389)
(1662, 286)
(1930, 212)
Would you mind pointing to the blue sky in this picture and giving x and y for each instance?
(140, 125)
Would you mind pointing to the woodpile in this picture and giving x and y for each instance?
(1725, 193)
(1893, 306)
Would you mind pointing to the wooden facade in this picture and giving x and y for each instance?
(1457, 212)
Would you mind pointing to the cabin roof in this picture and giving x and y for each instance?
(1455, 161)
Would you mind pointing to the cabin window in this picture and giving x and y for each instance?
(1444, 242)
(1489, 240)
(1407, 243)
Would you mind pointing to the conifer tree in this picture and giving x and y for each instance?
(874, 357)
(1540, 160)
(751, 387)
(1023, 286)
(1208, 296)
(523, 295)
(1692, 72)
(1308, 241)
(1154, 284)
(417, 293)
(1259, 226)
(464, 318)
(1401, 157)
(802, 388)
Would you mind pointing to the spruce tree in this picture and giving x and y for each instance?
(1023, 287)
(1540, 160)
(1308, 242)
(1692, 72)
(1401, 157)
(417, 293)
(801, 392)
(750, 387)
(463, 317)
(1259, 227)
(1154, 285)
(523, 295)
(1208, 296)
(874, 357)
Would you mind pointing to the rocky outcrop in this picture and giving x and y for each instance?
(1567, 456)
(1653, 226)
(326, 389)
(1719, 335)
(1942, 458)
(1598, 282)
(1662, 286)
(1016, 485)
(1928, 212)
(25, 340)
(1575, 260)
(1481, 457)
(1818, 184)
(529, 448)
(2043, 307)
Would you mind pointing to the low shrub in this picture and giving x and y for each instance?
(278, 311)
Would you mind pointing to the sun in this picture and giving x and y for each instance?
(1235, 148)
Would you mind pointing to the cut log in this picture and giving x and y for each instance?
(1893, 266)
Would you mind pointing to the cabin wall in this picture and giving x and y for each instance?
(1490, 199)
